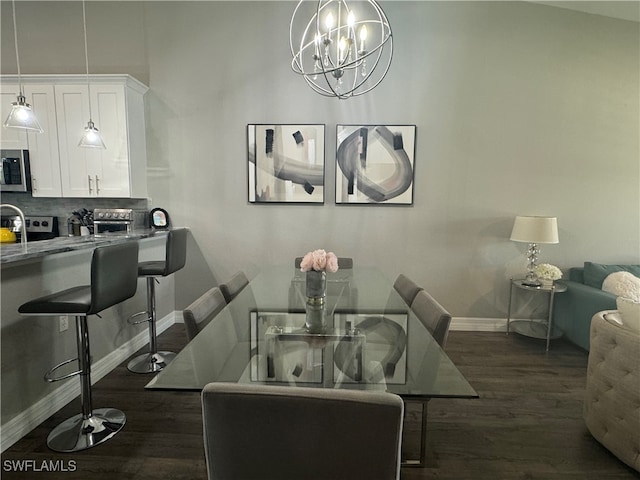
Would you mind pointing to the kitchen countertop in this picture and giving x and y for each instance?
(12, 253)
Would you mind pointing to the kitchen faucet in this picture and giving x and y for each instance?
(23, 224)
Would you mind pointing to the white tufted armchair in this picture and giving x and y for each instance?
(612, 400)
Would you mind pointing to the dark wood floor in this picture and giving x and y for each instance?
(526, 425)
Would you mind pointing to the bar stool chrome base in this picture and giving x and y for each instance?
(79, 433)
(150, 362)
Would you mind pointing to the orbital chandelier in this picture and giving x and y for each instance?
(340, 50)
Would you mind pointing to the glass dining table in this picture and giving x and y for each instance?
(369, 339)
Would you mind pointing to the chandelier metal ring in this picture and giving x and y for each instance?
(339, 51)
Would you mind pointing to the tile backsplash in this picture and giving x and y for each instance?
(62, 207)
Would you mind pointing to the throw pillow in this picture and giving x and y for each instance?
(623, 284)
(630, 313)
(595, 273)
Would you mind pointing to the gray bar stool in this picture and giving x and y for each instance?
(113, 279)
(175, 259)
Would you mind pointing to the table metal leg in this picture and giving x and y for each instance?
(549, 319)
(509, 307)
(420, 462)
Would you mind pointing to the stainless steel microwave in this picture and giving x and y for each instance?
(16, 172)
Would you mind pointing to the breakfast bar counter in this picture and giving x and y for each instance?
(31, 345)
(12, 253)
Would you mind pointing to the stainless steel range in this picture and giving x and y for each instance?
(119, 220)
(39, 227)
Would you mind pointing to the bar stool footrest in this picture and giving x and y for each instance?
(150, 362)
(50, 379)
(79, 433)
(147, 319)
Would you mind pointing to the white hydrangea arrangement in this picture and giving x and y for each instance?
(547, 271)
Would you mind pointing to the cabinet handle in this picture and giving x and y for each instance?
(97, 185)
(34, 184)
(90, 189)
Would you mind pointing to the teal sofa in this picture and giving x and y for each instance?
(573, 309)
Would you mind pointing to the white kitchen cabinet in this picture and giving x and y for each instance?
(118, 113)
(44, 155)
(43, 147)
(10, 138)
(59, 166)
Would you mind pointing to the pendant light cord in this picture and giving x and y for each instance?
(15, 37)
(86, 56)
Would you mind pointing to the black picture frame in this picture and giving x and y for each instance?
(286, 163)
(375, 164)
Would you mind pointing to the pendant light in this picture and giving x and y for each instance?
(21, 115)
(91, 137)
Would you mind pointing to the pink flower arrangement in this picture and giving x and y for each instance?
(320, 261)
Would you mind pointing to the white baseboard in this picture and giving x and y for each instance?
(476, 324)
(28, 419)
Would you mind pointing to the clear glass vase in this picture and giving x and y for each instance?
(315, 321)
(316, 285)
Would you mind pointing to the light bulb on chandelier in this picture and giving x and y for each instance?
(339, 51)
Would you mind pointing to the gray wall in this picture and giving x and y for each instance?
(520, 109)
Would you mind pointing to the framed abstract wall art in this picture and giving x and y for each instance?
(375, 164)
(286, 163)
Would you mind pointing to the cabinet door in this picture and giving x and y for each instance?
(89, 172)
(109, 114)
(43, 147)
(10, 138)
(72, 113)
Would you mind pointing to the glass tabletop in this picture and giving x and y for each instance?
(370, 341)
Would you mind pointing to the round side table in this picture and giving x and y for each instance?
(532, 328)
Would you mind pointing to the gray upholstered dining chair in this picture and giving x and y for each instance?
(433, 316)
(345, 262)
(406, 288)
(198, 315)
(232, 287)
(270, 432)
